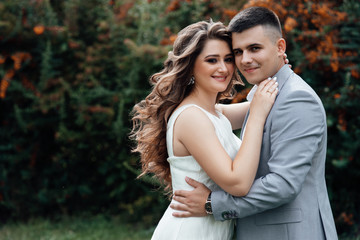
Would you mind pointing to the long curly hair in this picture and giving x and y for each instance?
(170, 86)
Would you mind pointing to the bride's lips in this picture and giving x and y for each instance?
(220, 78)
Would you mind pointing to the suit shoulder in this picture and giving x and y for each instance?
(295, 89)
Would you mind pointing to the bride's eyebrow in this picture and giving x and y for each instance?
(212, 55)
(217, 55)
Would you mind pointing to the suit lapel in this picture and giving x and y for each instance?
(282, 75)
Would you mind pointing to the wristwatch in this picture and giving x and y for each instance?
(208, 208)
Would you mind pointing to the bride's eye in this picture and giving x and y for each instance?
(211, 60)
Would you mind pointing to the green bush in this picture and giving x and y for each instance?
(65, 116)
(71, 71)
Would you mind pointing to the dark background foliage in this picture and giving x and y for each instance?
(70, 72)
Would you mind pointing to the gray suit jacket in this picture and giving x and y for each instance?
(288, 199)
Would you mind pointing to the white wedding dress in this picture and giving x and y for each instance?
(196, 228)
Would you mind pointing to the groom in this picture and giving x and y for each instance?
(288, 199)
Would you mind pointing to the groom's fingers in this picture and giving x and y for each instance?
(181, 199)
(181, 193)
(192, 182)
(179, 207)
(181, 214)
(182, 208)
(193, 206)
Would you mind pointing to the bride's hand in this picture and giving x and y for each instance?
(286, 60)
(264, 98)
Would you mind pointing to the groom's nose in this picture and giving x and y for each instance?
(246, 58)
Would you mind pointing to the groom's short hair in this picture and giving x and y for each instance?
(254, 16)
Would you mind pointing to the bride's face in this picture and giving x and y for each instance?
(214, 67)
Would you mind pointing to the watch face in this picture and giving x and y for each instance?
(208, 208)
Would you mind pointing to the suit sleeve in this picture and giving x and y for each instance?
(297, 127)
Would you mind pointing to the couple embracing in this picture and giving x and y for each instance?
(270, 182)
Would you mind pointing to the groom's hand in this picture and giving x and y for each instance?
(191, 203)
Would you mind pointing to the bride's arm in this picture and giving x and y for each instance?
(196, 132)
(235, 112)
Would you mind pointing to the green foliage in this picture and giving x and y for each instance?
(344, 121)
(65, 117)
(74, 71)
(71, 71)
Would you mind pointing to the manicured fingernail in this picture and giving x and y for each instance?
(269, 78)
(276, 83)
(275, 78)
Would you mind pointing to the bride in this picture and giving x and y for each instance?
(181, 130)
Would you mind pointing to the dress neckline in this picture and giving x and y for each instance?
(218, 116)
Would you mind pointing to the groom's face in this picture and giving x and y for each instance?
(257, 55)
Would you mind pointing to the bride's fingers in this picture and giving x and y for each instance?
(272, 88)
(286, 60)
(268, 85)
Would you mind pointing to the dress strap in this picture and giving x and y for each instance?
(170, 127)
(171, 122)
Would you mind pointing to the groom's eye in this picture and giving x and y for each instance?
(229, 59)
(237, 52)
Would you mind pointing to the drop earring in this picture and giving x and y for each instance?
(192, 80)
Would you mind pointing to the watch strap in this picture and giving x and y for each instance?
(208, 208)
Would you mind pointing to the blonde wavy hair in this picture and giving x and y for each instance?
(170, 86)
